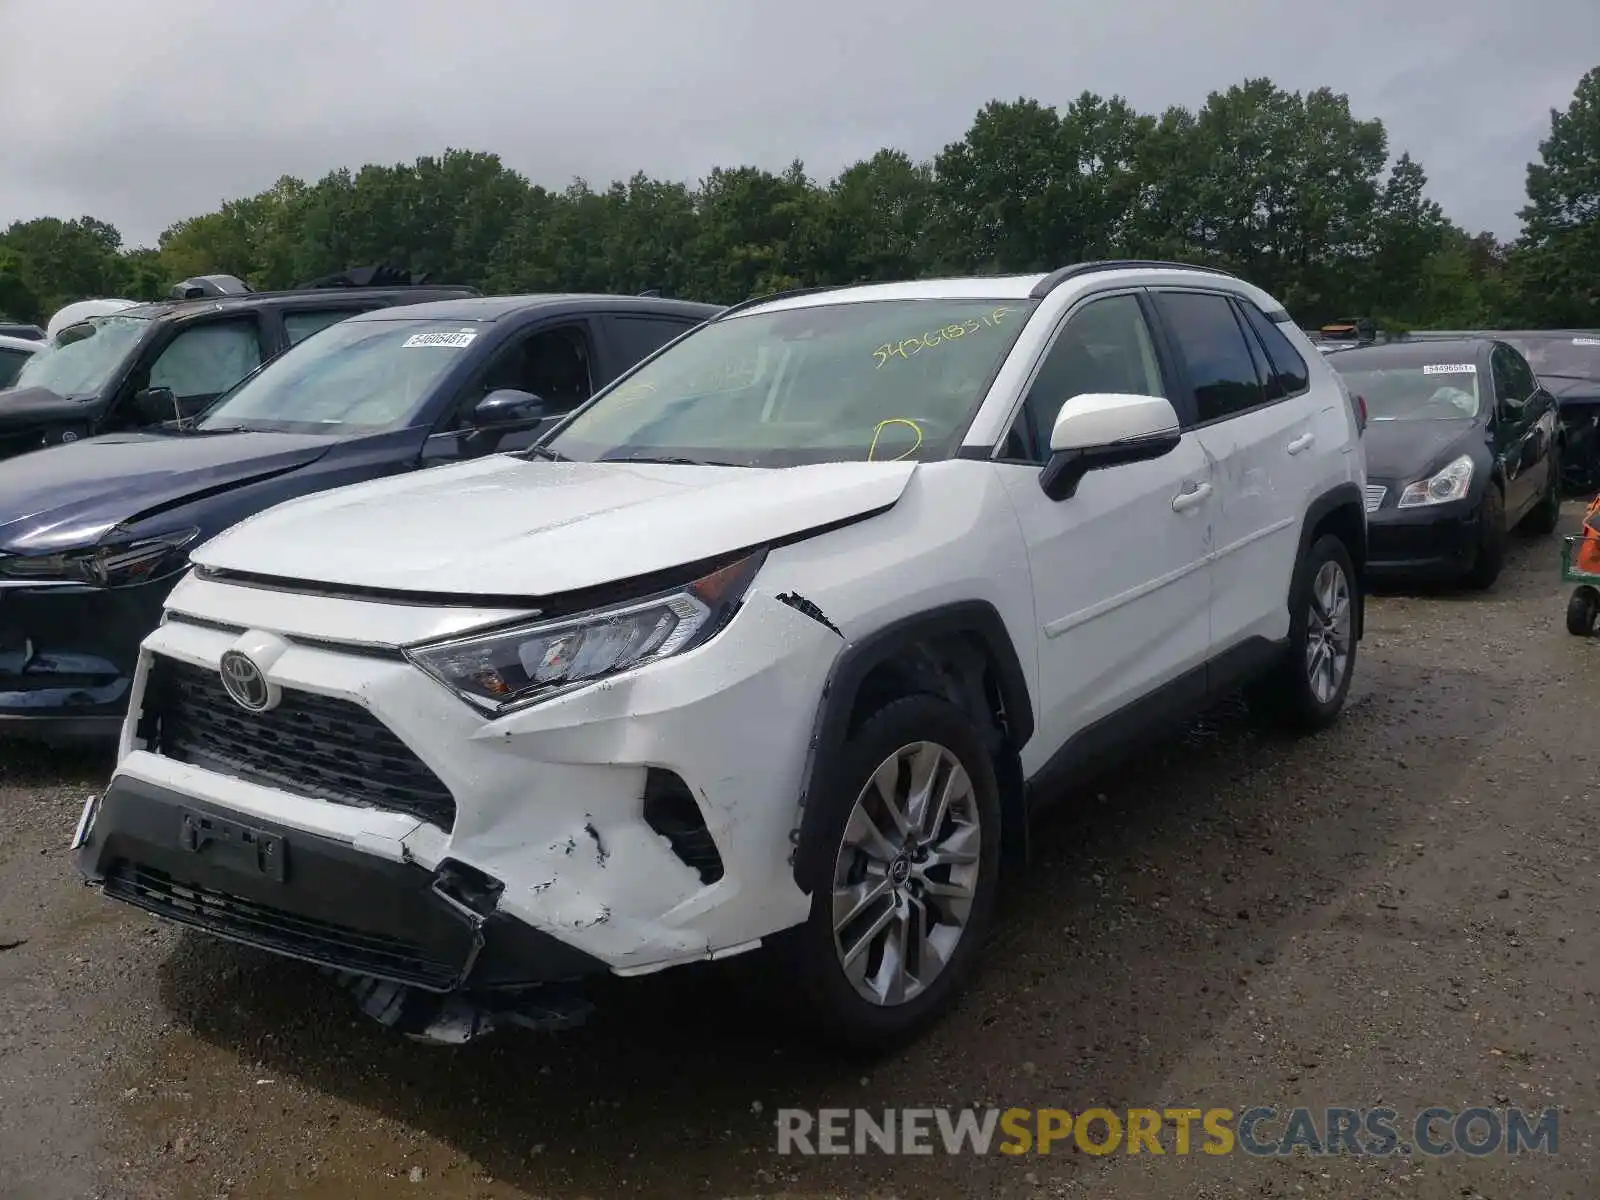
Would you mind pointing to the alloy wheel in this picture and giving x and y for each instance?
(906, 874)
(1328, 632)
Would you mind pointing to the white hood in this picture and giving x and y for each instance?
(506, 526)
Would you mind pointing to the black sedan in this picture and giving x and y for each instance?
(95, 533)
(1462, 445)
(1568, 365)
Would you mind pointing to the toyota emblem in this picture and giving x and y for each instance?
(243, 680)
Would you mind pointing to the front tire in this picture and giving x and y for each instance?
(1545, 519)
(1307, 691)
(913, 851)
(1491, 541)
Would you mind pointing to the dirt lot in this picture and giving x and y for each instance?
(1401, 911)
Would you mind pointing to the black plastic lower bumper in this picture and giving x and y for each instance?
(312, 898)
(1427, 545)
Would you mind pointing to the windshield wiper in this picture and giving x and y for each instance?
(672, 460)
(546, 453)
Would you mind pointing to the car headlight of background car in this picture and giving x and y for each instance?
(108, 565)
(1449, 483)
(513, 667)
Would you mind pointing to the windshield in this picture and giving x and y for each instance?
(84, 357)
(1436, 392)
(1575, 357)
(880, 379)
(351, 378)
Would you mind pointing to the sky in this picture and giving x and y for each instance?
(143, 112)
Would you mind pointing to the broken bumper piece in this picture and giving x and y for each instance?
(436, 955)
(455, 1018)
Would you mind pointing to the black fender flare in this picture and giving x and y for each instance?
(974, 618)
(1342, 495)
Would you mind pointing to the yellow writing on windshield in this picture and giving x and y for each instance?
(877, 433)
(932, 338)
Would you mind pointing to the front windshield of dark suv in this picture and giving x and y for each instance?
(83, 357)
(828, 382)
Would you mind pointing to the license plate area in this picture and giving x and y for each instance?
(234, 846)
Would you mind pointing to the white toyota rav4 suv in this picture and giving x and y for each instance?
(778, 639)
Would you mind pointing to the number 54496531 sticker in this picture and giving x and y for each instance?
(1450, 369)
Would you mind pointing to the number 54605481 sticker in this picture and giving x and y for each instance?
(456, 339)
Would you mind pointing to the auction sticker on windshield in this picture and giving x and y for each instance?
(455, 338)
(1450, 369)
(1586, 341)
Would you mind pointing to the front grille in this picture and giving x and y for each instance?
(274, 929)
(316, 746)
(1375, 494)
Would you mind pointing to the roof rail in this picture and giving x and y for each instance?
(753, 301)
(1056, 278)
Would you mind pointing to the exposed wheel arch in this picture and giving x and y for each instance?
(961, 652)
(1341, 511)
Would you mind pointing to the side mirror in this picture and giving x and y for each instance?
(156, 405)
(1106, 429)
(507, 406)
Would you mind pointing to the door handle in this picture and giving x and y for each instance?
(1303, 442)
(1190, 497)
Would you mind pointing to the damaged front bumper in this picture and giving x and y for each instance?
(313, 898)
(624, 828)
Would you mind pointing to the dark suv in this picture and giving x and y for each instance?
(170, 359)
(93, 535)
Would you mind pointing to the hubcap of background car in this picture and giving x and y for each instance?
(906, 873)
(1328, 632)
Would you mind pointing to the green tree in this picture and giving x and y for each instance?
(1409, 233)
(18, 300)
(61, 261)
(1287, 192)
(1558, 259)
(875, 219)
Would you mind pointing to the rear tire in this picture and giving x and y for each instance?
(935, 915)
(1545, 518)
(1491, 541)
(1307, 690)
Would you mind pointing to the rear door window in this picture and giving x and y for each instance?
(1212, 344)
(1292, 374)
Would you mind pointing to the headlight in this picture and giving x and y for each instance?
(512, 668)
(117, 564)
(1451, 483)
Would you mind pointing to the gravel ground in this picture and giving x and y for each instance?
(1401, 911)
